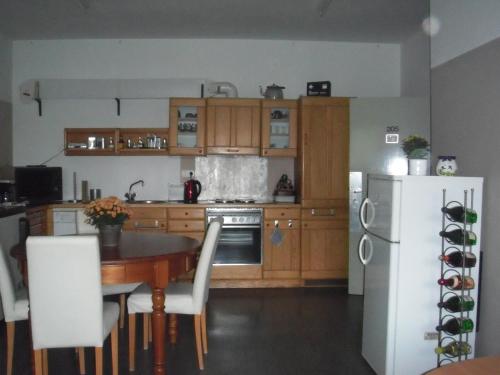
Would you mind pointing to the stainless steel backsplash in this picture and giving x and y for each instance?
(233, 177)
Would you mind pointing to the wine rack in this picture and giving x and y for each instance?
(462, 338)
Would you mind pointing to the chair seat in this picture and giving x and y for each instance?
(111, 289)
(178, 299)
(111, 312)
(21, 306)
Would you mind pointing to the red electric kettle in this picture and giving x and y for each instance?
(192, 189)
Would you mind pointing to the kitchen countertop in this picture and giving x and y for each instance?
(6, 211)
(201, 204)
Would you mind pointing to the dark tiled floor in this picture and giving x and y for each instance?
(250, 331)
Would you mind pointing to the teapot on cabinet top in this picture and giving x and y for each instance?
(272, 92)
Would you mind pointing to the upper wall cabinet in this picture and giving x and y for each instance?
(187, 126)
(233, 126)
(279, 128)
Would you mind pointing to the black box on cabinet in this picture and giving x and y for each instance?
(321, 88)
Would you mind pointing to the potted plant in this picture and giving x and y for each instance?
(107, 214)
(416, 149)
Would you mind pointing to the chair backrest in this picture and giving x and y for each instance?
(81, 226)
(204, 268)
(7, 289)
(64, 276)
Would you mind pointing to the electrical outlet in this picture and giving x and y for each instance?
(186, 173)
(431, 336)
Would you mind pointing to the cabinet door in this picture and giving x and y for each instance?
(187, 126)
(245, 128)
(324, 249)
(325, 151)
(282, 261)
(279, 128)
(233, 126)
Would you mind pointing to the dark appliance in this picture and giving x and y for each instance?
(240, 240)
(38, 184)
(7, 191)
(192, 189)
(321, 88)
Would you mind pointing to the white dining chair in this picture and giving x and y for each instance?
(66, 304)
(107, 290)
(15, 305)
(181, 297)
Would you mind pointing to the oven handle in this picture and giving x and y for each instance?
(242, 226)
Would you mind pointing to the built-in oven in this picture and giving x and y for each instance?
(240, 241)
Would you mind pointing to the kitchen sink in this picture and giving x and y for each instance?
(146, 202)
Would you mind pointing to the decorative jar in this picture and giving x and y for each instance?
(446, 166)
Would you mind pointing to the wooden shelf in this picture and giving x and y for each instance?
(80, 136)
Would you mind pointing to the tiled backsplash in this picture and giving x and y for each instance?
(233, 177)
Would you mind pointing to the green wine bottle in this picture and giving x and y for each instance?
(460, 237)
(460, 214)
(454, 326)
(457, 304)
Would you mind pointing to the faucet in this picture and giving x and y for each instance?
(131, 196)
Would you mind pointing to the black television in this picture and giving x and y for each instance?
(38, 184)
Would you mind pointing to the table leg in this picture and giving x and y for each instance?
(172, 328)
(158, 320)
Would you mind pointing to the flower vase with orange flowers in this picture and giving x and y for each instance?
(107, 214)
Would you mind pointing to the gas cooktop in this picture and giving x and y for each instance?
(234, 201)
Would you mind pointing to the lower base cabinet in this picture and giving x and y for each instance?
(282, 259)
(324, 244)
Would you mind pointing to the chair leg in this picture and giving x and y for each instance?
(45, 358)
(197, 333)
(145, 330)
(81, 359)
(204, 339)
(131, 342)
(114, 349)
(150, 330)
(37, 355)
(11, 332)
(122, 310)
(98, 360)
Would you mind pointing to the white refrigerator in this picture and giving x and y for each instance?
(400, 248)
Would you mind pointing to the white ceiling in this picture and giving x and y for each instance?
(344, 20)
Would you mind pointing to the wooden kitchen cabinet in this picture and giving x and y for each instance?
(324, 176)
(187, 126)
(146, 219)
(187, 221)
(233, 126)
(324, 243)
(37, 220)
(279, 128)
(324, 151)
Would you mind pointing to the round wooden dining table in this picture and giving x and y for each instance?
(153, 258)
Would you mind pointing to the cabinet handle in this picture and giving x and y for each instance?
(233, 150)
(186, 213)
(276, 223)
(329, 212)
(137, 224)
(290, 223)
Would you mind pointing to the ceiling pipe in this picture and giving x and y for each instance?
(222, 88)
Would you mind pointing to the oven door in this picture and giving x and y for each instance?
(239, 244)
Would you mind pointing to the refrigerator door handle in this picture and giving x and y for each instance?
(363, 211)
(368, 240)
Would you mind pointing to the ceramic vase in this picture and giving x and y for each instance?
(446, 166)
(417, 167)
(110, 234)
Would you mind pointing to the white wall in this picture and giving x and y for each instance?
(5, 68)
(355, 69)
(415, 66)
(464, 25)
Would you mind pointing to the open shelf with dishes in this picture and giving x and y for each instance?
(116, 141)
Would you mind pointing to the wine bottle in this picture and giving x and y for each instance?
(455, 282)
(454, 349)
(459, 259)
(460, 237)
(454, 326)
(460, 214)
(457, 304)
